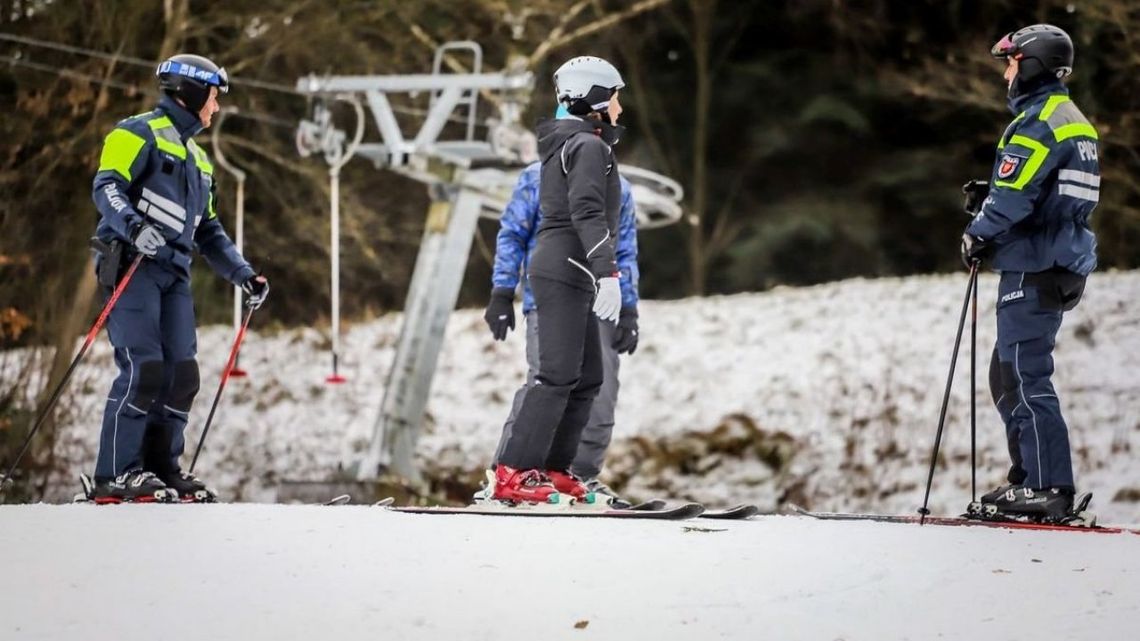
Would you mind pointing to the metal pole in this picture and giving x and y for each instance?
(239, 233)
(924, 511)
(239, 229)
(334, 253)
(974, 392)
(336, 160)
(434, 290)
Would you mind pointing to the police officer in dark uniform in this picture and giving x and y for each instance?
(1032, 224)
(156, 196)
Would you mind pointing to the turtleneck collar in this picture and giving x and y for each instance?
(1021, 100)
(185, 122)
(610, 133)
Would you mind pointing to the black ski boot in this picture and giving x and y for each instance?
(189, 488)
(991, 497)
(1049, 505)
(984, 507)
(135, 486)
(609, 496)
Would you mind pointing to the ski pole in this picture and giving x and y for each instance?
(974, 389)
(222, 385)
(123, 282)
(924, 511)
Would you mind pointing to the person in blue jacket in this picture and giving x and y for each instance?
(155, 194)
(1032, 224)
(515, 243)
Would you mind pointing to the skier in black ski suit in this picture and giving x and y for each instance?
(574, 275)
(1033, 221)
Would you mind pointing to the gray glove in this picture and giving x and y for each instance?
(607, 302)
(148, 239)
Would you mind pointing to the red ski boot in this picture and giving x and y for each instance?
(570, 485)
(523, 486)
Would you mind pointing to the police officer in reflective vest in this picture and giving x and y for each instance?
(156, 196)
(1032, 224)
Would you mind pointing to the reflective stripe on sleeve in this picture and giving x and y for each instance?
(1083, 177)
(1075, 191)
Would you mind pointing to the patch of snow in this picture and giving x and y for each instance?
(853, 371)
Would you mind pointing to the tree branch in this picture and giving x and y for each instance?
(593, 27)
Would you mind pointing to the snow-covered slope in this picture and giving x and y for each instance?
(240, 572)
(827, 395)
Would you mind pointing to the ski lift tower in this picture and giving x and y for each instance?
(466, 178)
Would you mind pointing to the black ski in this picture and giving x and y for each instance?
(678, 513)
(648, 506)
(736, 512)
(88, 493)
(960, 521)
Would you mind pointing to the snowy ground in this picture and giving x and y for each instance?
(298, 572)
(826, 395)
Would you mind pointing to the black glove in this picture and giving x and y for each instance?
(625, 334)
(256, 289)
(976, 192)
(500, 314)
(974, 249)
(147, 239)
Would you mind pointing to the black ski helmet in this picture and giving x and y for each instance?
(1040, 49)
(188, 78)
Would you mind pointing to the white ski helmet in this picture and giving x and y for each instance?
(586, 84)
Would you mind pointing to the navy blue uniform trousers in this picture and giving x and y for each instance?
(1029, 311)
(153, 332)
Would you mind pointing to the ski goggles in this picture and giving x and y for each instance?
(219, 78)
(1005, 47)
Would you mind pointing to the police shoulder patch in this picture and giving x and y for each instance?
(1009, 164)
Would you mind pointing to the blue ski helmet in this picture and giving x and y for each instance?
(188, 78)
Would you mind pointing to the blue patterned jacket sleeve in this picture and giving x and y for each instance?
(516, 227)
(627, 247)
